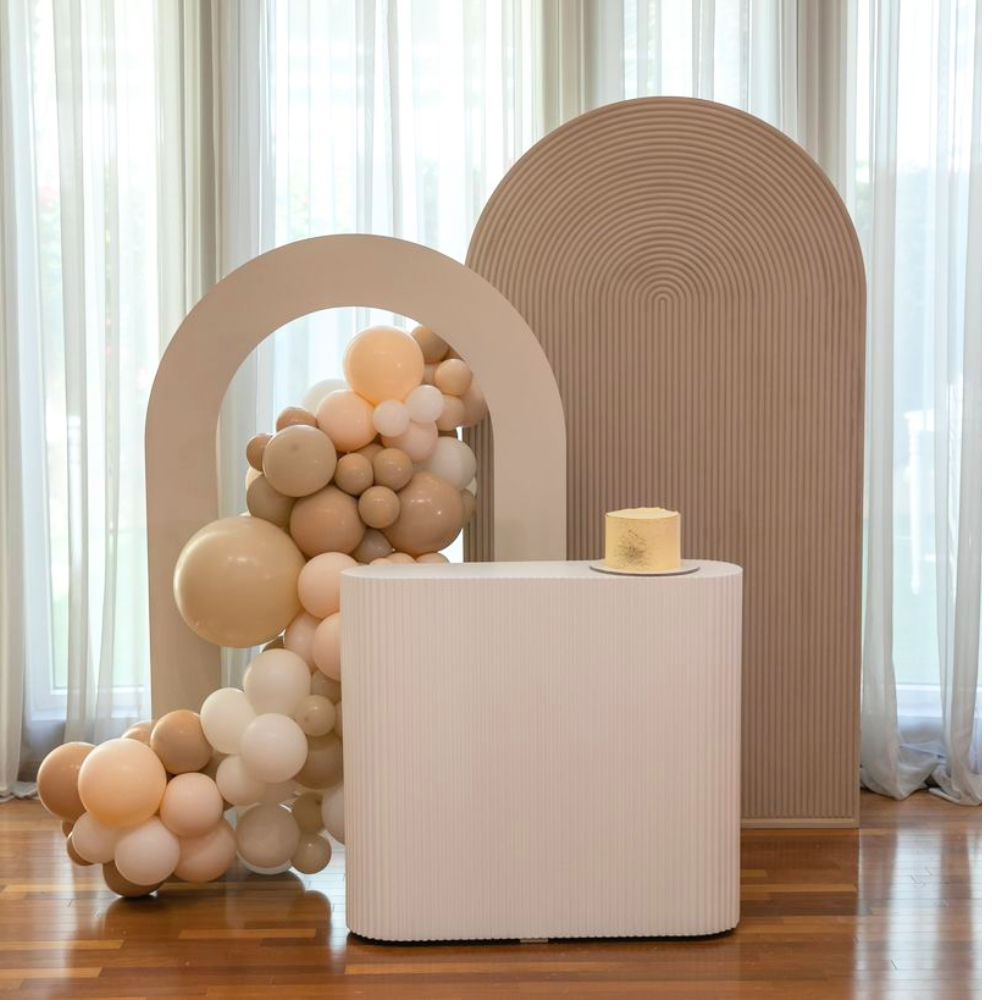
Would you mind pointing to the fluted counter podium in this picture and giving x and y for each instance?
(539, 750)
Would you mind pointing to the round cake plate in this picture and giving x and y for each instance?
(685, 568)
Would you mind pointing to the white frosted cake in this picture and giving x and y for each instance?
(642, 540)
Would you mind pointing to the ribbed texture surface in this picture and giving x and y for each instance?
(539, 750)
(698, 288)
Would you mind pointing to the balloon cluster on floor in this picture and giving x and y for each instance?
(365, 471)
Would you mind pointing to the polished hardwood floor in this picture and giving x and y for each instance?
(890, 910)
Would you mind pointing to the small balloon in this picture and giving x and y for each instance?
(401, 557)
(225, 714)
(276, 681)
(312, 854)
(378, 507)
(57, 780)
(267, 835)
(391, 417)
(140, 731)
(93, 840)
(191, 806)
(299, 637)
(326, 646)
(74, 855)
(327, 521)
(299, 460)
(179, 741)
(453, 377)
(315, 715)
(383, 363)
(273, 748)
(354, 473)
(425, 404)
(237, 785)
(319, 582)
(307, 810)
(393, 468)
(255, 451)
(324, 764)
(432, 557)
(292, 415)
(373, 546)
(121, 783)
(347, 420)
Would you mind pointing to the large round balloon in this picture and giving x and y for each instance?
(179, 741)
(299, 460)
(347, 420)
(267, 835)
(431, 515)
(453, 461)
(206, 857)
(273, 748)
(191, 805)
(148, 853)
(236, 581)
(276, 681)
(121, 783)
(382, 363)
(57, 780)
(327, 521)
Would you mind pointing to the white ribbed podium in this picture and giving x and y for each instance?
(539, 750)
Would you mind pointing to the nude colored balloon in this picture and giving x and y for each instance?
(328, 687)
(93, 840)
(430, 517)
(418, 440)
(255, 451)
(373, 546)
(251, 476)
(307, 811)
(140, 731)
(333, 813)
(429, 372)
(179, 741)
(191, 806)
(207, 857)
(382, 363)
(65, 827)
(276, 681)
(425, 404)
(324, 764)
(400, 557)
(265, 502)
(391, 417)
(237, 785)
(453, 377)
(299, 460)
(318, 392)
(57, 780)
(378, 507)
(327, 521)
(312, 854)
(319, 582)
(354, 473)
(273, 748)
(74, 855)
(225, 714)
(393, 468)
(326, 646)
(432, 557)
(315, 715)
(292, 415)
(235, 581)
(370, 450)
(299, 637)
(347, 419)
(452, 414)
(267, 835)
(431, 345)
(121, 783)
(117, 883)
(147, 854)
(474, 403)
(453, 461)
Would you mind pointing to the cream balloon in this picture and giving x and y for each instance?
(224, 715)
(315, 715)
(273, 748)
(191, 806)
(418, 441)
(326, 646)
(208, 856)
(121, 783)
(267, 835)
(391, 417)
(276, 681)
(383, 363)
(312, 854)
(319, 583)
(237, 785)
(453, 461)
(93, 840)
(425, 404)
(453, 377)
(333, 813)
(299, 637)
(318, 392)
(235, 581)
(346, 419)
(299, 460)
(147, 854)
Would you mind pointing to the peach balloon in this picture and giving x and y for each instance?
(307, 811)
(276, 681)
(373, 546)
(191, 806)
(327, 521)
(117, 883)
(147, 854)
(354, 473)
(224, 715)
(74, 855)
(93, 840)
(121, 783)
(319, 582)
(236, 784)
(292, 415)
(326, 646)
(235, 581)
(383, 363)
(400, 557)
(475, 404)
(267, 835)
(452, 414)
(453, 377)
(299, 637)
(346, 419)
(378, 507)
(418, 441)
(299, 460)
(326, 686)
(315, 715)
(140, 731)
(206, 857)
(255, 451)
(312, 854)
(57, 780)
(179, 741)
(393, 468)
(432, 557)
(265, 502)
(273, 748)
(324, 764)
(430, 517)
(391, 417)
(431, 345)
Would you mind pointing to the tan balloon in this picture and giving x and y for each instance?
(475, 404)
(57, 780)
(354, 473)
(179, 741)
(140, 731)
(117, 883)
(191, 805)
(327, 521)
(255, 451)
(393, 468)
(236, 581)
(265, 502)
(324, 764)
(315, 715)
(452, 414)
(292, 415)
(346, 419)
(205, 858)
(66, 827)
(299, 460)
(453, 377)
(431, 345)
(319, 583)
(313, 853)
(378, 507)
(370, 450)
(432, 557)
(122, 782)
(373, 546)
(307, 811)
(383, 363)
(430, 517)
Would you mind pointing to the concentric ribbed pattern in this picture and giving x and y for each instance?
(698, 288)
(539, 750)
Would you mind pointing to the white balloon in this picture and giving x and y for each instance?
(276, 681)
(418, 440)
(225, 714)
(148, 853)
(425, 404)
(333, 812)
(391, 417)
(453, 461)
(318, 392)
(94, 841)
(267, 835)
(237, 785)
(273, 748)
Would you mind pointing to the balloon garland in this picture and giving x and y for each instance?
(368, 470)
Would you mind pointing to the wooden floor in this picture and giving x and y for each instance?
(891, 910)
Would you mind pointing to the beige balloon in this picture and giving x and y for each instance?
(431, 345)
(236, 581)
(383, 363)
(299, 460)
(292, 415)
(453, 377)
(307, 810)
(452, 414)
(319, 582)
(327, 521)
(326, 646)
(354, 473)
(374, 545)
(347, 419)
(122, 782)
(205, 858)
(191, 805)
(474, 403)
(255, 451)
(430, 517)
(180, 743)
(370, 450)
(393, 468)
(57, 780)
(265, 502)
(299, 636)
(140, 731)
(328, 687)
(315, 715)
(378, 507)
(324, 764)
(117, 883)
(313, 853)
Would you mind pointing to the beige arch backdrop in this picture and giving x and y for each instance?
(529, 447)
(698, 287)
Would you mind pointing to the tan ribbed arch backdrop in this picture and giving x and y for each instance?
(698, 288)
